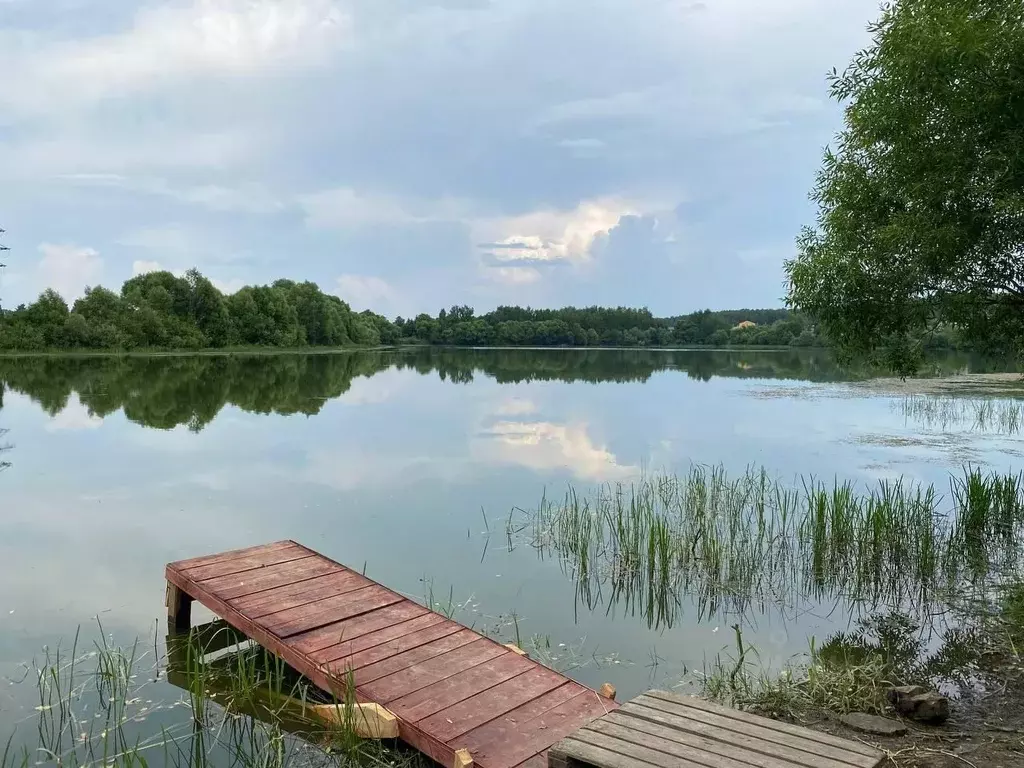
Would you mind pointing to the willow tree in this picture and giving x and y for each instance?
(921, 202)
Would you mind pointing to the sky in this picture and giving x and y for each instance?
(408, 155)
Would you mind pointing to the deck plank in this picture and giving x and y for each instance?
(506, 725)
(513, 745)
(670, 741)
(248, 563)
(426, 673)
(665, 729)
(294, 621)
(352, 645)
(267, 601)
(595, 749)
(265, 578)
(354, 627)
(407, 642)
(427, 701)
(709, 735)
(776, 725)
(738, 724)
(499, 701)
(194, 562)
(400, 661)
(537, 761)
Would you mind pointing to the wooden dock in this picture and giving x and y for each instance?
(667, 730)
(457, 695)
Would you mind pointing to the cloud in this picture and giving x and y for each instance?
(375, 390)
(69, 269)
(552, 235)
(515, 275)
(169, 43)
(368, 468)
(344, 208)
(144, 267)
(515, 406)
(583, 148)
(170, 239)
(243, 197)
(83, 150)
(365, 292)
(545, 446)
(74, 417)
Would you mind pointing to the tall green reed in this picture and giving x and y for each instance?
(735, 544)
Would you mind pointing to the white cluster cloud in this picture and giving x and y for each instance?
(68, 269)
(554, 235)
(545, 446)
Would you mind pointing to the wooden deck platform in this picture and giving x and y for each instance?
(451, 688)
(671, 731)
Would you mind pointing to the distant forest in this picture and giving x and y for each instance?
(609, 327)
(160, 310)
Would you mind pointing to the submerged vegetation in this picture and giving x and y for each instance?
(111, 706)
(736, 546)
(1003, 416)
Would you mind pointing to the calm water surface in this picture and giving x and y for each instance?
(404, 460)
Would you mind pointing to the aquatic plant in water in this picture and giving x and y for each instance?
(739, 544)
(241, 708)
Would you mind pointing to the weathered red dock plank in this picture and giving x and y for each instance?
(358, 626)
(461, 686)
(449, 687)
(354, 645)
(475, 711)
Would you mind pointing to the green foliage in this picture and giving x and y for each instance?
(609, 327)
(160, 310)
(921, 204)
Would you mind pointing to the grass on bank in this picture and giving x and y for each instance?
(979, 656)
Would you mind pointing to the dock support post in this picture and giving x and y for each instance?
(608, 691)
(463, 759)
(179, 609)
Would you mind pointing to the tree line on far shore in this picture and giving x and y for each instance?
(608, 327)
(162, 311)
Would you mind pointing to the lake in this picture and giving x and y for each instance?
(414, 462)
